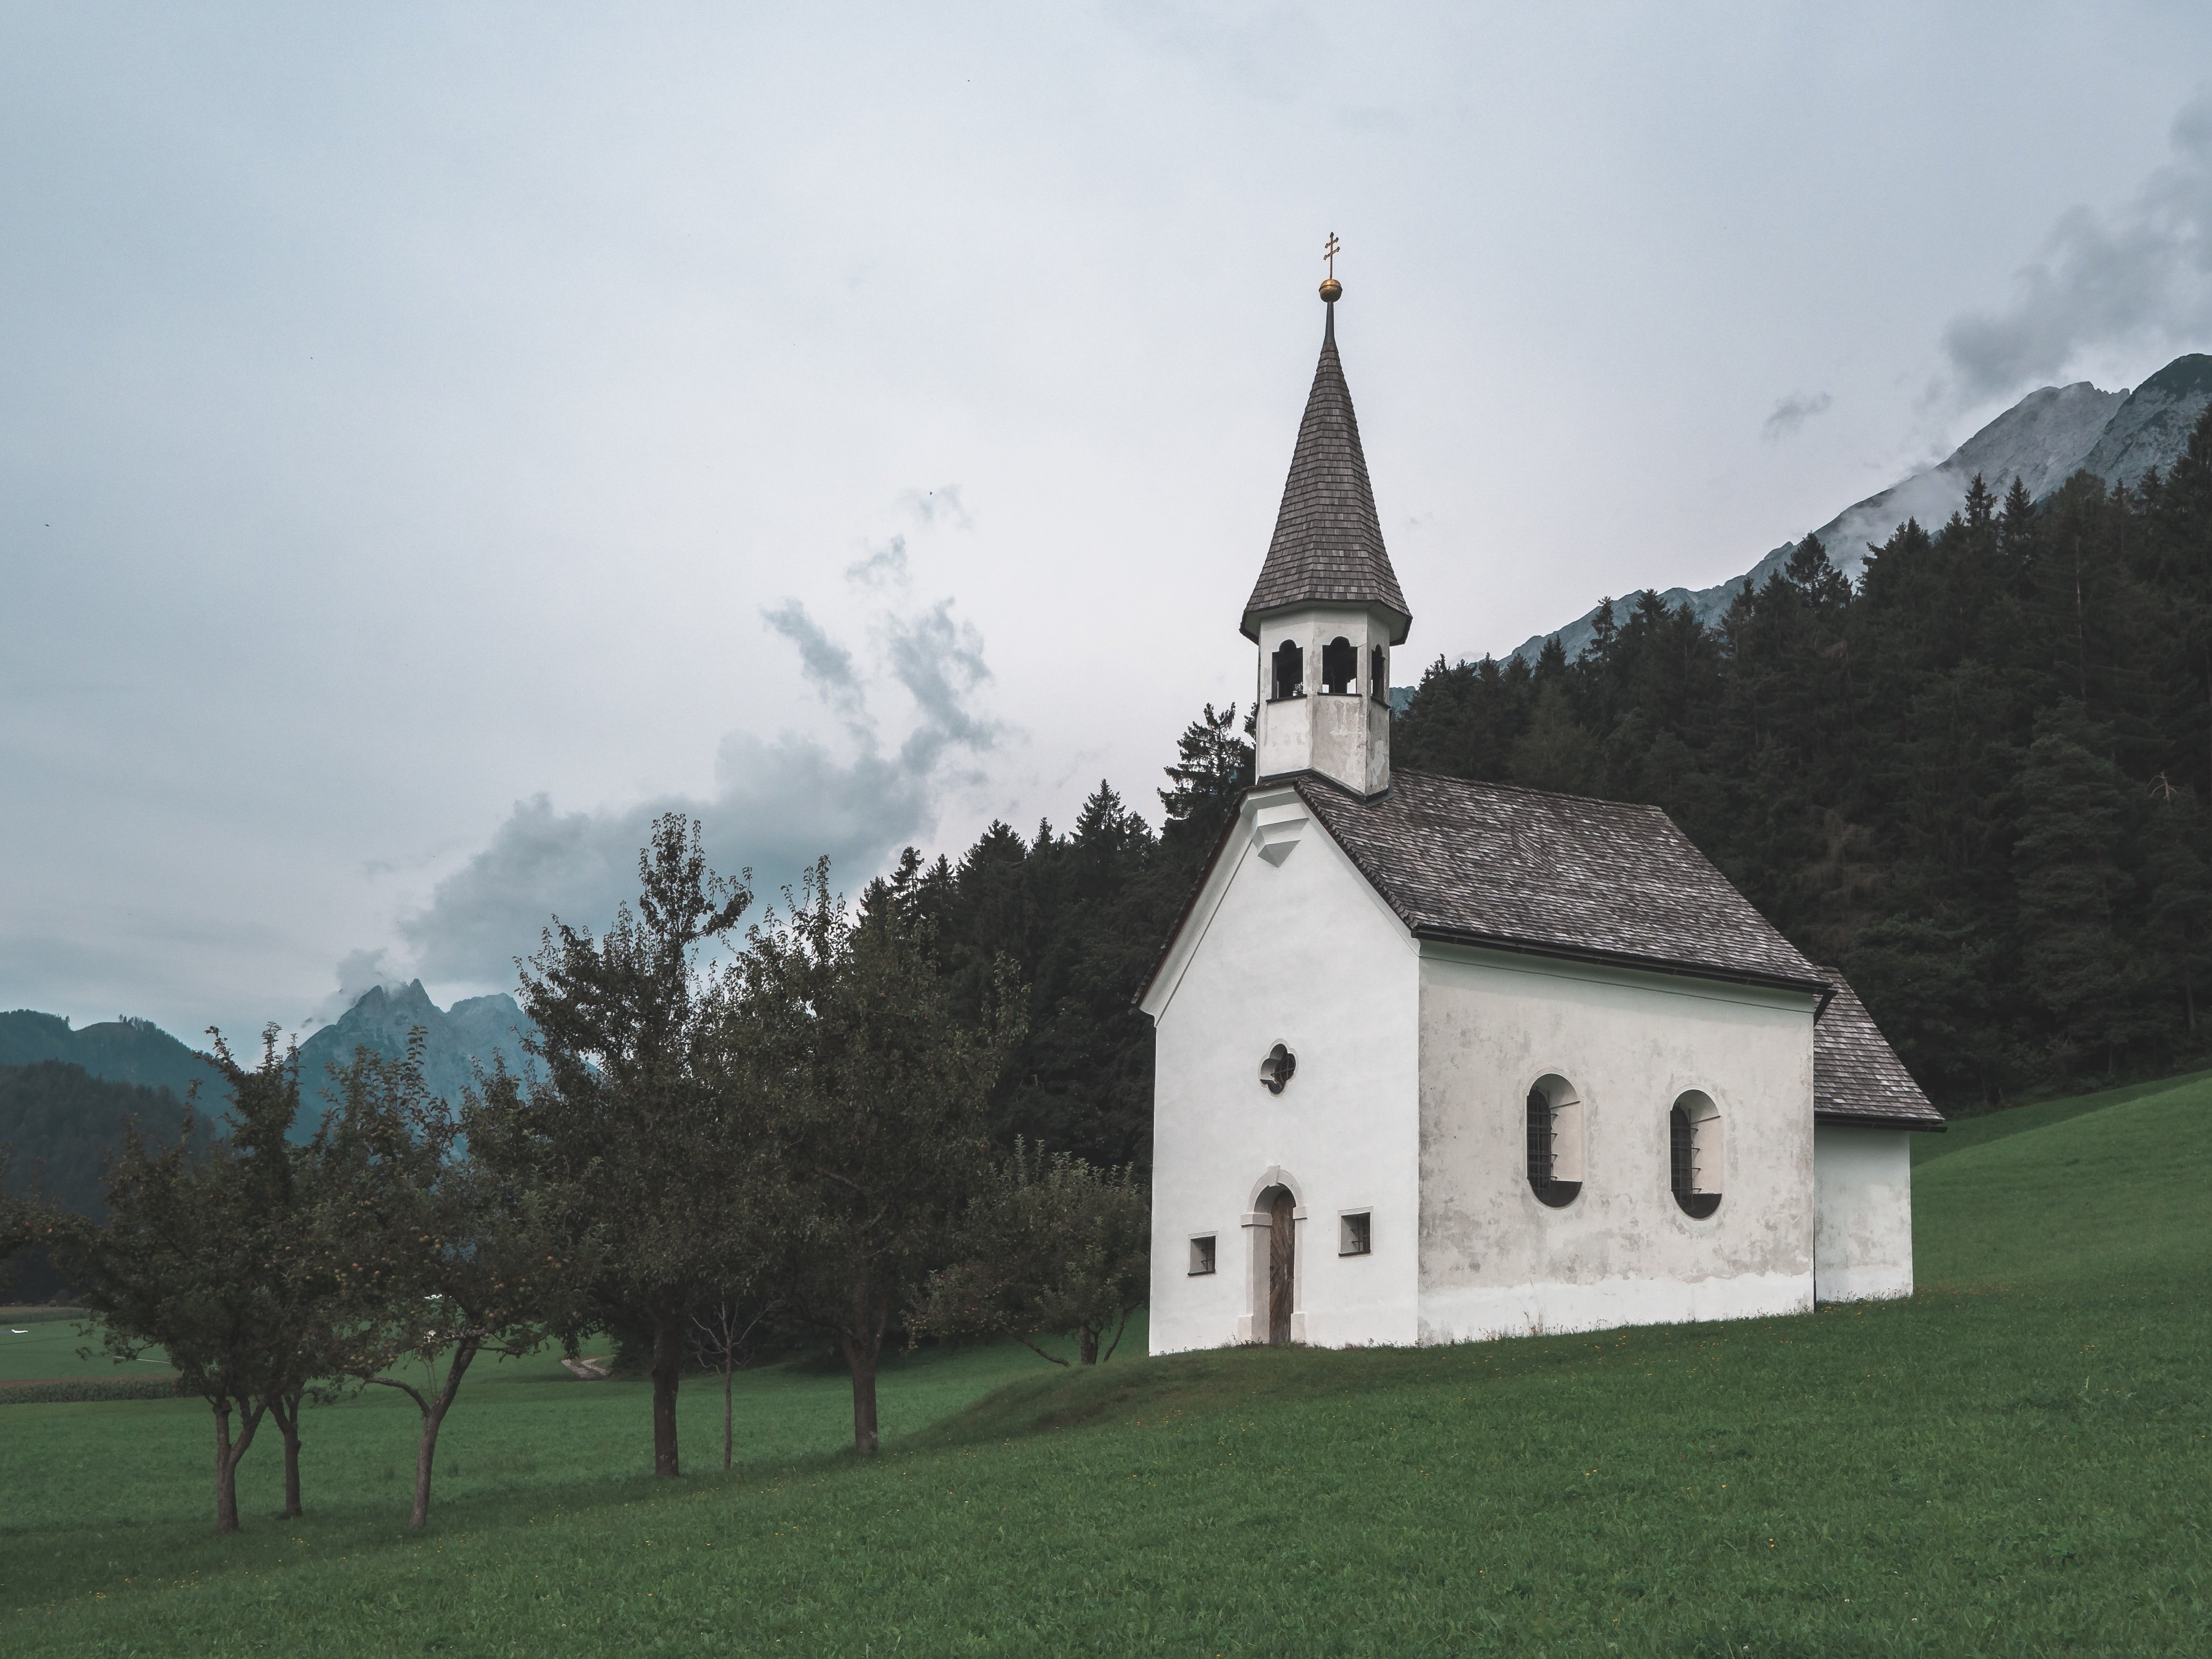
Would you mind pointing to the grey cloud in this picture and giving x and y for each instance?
(777, 805)
(1792, 412)
(930, 506)
(2141, 271)
(940, 662)
(883, 564)
(826, 664)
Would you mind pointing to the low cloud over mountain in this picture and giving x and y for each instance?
(2140, 272)
(777, 804)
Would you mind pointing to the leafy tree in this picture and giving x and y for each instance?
(209, 1259)
(880, 1129)
(1048, 1245)
(441, 1260)
(644, 1164)
(722, 1337)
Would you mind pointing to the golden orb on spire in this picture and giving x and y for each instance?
(1332, 290)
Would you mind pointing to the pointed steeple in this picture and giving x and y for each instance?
(1327, 610)
(1327, 547)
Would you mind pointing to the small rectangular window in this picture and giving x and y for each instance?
(1352, 1235)
(1201, 1254)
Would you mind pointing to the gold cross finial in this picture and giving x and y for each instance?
(1329, 253)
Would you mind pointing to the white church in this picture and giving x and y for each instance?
(1440, 1060)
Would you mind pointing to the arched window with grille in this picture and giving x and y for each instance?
(1555, 1141)
(1693, 1153)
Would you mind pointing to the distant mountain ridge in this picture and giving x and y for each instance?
(122, 1050)
(137, 1051)
(456, 1039)
(2042, 439)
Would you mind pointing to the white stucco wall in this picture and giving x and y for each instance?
(1495, 1261)
(1862, 1227)
(1292, 947)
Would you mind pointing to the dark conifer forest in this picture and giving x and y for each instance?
(1974, 780)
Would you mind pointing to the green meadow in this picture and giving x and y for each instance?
(2014, 1461)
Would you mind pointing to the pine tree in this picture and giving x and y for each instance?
(1212, 768)
(2180, 906)
(2071, 885)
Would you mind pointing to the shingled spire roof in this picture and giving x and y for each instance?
(1328, 543)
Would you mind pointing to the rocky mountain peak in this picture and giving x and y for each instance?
(2042, 439)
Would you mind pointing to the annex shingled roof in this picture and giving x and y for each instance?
(1328, 546)
(1856, 1076)
(1519, 869)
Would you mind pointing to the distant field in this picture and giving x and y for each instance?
(35, 1347)
(2015, 1462)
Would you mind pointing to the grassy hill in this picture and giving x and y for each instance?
(2015, 1461)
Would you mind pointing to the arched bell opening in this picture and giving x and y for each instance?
(1340, 667)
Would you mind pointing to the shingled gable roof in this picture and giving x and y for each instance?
(1329, 543)
(1515, 869)
(1856, 1076)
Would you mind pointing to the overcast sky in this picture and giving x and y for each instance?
(433, 439)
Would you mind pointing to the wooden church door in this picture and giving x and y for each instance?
(1282, 1265)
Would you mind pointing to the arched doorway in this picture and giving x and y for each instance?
(1273, 1217)
(1282, 1263)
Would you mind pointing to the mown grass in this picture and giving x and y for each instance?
(2014, 1461)
(1964, 1132)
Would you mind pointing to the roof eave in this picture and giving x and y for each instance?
(1932, 1124)
(1401, 623)
(1197, 890)
(1813, 987)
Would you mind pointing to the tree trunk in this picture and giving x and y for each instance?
(227, 1457)
(729, 1377)
(433, 1419)
(864, 1345)
(286, 1411)
(667, 1360)
(1086, 1345)
(861, 1358)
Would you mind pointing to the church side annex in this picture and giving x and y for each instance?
(1439, 1061)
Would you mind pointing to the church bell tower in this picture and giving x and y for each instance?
(1327, 610)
